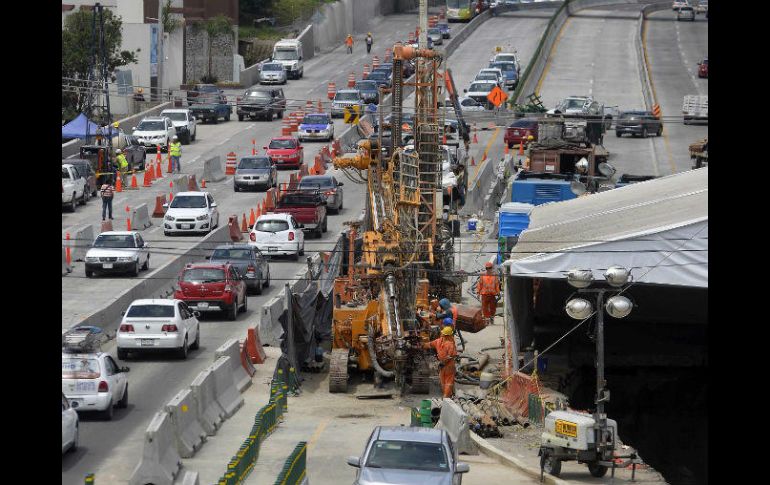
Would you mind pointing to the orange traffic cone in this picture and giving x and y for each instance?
(119, 184)
(521, 148)
(147, 182)
(443, 140)
(203, 183)
(475, 139)
(484, 156)
(252, 219)
(170, 168)
(473, 162)
(259, 212)
(244, 227)
(320, 108)
(134, 184)
(506, 149)
(158, 170)
(171, 191)
(264, 206)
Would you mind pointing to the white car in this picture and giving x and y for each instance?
(153, 131)
(508, 57)
(73, 187)
(153, 325)
(679, 4)
(190, 212)
(497, 72)
(278, 234)
(69, 426)
(685, 13)
(478, 91)
(118, 251)
(184, 123)
(94, 382)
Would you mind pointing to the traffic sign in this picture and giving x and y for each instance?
(497, 96)
(352, 113)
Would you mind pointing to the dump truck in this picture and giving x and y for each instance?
(699, 151)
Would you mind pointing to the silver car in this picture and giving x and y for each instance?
(272, 73)
(255, 172)
(346, 98)
(329, 186)
(249, 260)
(408, 456)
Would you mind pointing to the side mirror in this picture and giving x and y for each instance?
(301, 226)
(133, 128)
(123, 313)
(340, 184)
(213, 204)
(462, 467)
(465, 90)
(208, 257)
(124, 369)
(165, 205)
(355, 461)
(196, 313)
(264, 148)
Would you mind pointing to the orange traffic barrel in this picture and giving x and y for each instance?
(331, 90)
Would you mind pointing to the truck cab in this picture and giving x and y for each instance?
(288, 53)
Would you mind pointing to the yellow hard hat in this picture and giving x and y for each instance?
(116, 124)
(530, 137)
(447, 331)
(369, 33)
(140, 90)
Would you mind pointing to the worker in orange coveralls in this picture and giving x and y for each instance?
(489, 289)
(446, 352)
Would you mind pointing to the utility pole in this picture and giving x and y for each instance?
(422, 40)
(601, 392)
(160, 50)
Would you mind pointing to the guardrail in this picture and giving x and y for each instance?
(648, 92)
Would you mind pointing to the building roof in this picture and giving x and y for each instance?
(658, 228)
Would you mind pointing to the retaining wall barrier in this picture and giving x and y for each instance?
(232, 349)
(160, 461)
(226, 394)
(210, 413)
(189, 433)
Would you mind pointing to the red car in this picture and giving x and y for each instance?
(520, 130)
(703, 68)
(286, 151)
(209, 287)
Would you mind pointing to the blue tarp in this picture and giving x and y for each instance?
(77, 128)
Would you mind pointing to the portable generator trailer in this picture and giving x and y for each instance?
(574, 436)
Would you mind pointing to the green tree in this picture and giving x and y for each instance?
(76, 56)
(215, 27)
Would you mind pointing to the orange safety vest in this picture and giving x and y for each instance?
(349, 41)
(489, 285)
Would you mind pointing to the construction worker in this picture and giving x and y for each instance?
(448, 322)
(138, 95)
(446, 352)
(450, 311)
(369, 41)
(107, 192)
(121, 164)
(175, 150)
(489, 290)
(349, 43)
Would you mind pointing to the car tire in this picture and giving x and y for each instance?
(183, 350)
(84, 199)
(597, 470)
(232, 312)
(295, 256)
(644, 132)
(618, 134)
(280, 115)
(73, 203)
(302, 251)
(74, 446)
(246, 302)
(135, 271)
(194, 135)
(258, 289)
(227, 117)
(215, 120)
(123, 403)
(267, 281)
(236, 188)
(146, 264)
(122, 354)
(197, 343)
(166, 233)
(550, 465)
(89, 273)
(108, 413)
(660, 131)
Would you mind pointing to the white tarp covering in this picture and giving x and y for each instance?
(658, 229)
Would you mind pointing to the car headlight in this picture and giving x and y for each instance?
(125, 259)
(202, 218)
(169, 218)
(92, 259)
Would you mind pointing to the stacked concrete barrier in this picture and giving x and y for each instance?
(160, 461)
(228, 397)
(212, 170)
(140, 218)
(455, 421)
(181, 183)
(210, 413)
(232, 349)
(81, 238)
(189, 433)
(269, 326)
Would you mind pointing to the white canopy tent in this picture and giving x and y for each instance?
(657, 228)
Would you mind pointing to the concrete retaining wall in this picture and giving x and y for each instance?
(641, 54)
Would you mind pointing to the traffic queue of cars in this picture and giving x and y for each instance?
(502, 72)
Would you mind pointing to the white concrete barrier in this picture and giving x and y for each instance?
(232, 349)
(189, 433)
(228, 397)
(81, 238)
(212, 170)
(140, 218)
(455, 421)
(269, 327)
(210, 413)
(181, 183)
(190, 478)
(160, 461)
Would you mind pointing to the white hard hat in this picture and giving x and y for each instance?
(175, 137)
(118, 151)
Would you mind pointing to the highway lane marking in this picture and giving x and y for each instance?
(486, 150)
(550, 56)
(317, 434)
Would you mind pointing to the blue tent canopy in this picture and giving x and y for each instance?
(80, 126)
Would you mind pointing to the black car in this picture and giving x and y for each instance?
(369, 91)
(638, 123)
(261, 102)
(382, 78)
(248, 260)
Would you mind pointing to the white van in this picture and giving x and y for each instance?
(288, 52)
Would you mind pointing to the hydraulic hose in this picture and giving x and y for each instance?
(370, 346)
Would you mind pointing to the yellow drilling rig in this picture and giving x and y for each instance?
(382, 306)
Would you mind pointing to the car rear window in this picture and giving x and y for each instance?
(282, 144)
(151, 311)
(407, 455)
(272, 225)
(203, 275)
(316, 183)
(523, 124)
(231, 254)
(79, 368)
(251, 163)
(299, 199)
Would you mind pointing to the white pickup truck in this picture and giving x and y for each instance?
(72, 187)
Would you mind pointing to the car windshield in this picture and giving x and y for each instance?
(504, 66)
(257, 94)
(505, 58)
(79, 368)
(176, 116)
(232, 253)
(347, 97)
(272, 67)
(406, 455)
(65, 174)
(271, 225)
(523, 124)
(298, 199)
(315, 120)
(188, 202)
(481, 87)
(316, 182)
(204, 275)
(151, 126)
(114, 241)
(251, 163)
(631, 114)
(573, 103)
(366, 86)
(282, 144)
(285, 55)
(434, 31)
(151, 311)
